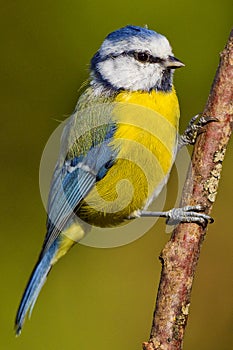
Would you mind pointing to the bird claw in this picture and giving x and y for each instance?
(195, 128)
(188, 214)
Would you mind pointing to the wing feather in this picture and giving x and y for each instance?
(71, 183)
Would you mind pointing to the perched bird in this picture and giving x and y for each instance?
(117, 148)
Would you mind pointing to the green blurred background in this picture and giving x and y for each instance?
(100, 298)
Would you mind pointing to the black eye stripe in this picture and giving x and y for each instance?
(141, 56)
(146, 57)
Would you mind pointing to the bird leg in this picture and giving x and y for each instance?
(189, 213)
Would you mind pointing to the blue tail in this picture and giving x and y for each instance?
(35, 283)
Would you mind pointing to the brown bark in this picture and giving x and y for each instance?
(180, 255)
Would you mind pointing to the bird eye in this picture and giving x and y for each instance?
(142, 56)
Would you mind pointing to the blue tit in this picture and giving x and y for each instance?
(125, 126)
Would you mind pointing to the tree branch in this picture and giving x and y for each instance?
(180, 256)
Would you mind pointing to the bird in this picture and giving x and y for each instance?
(117, 148)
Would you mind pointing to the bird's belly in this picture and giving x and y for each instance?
(142, 166)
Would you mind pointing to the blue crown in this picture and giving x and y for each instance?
(130, 31)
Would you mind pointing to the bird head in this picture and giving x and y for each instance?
(134, 59)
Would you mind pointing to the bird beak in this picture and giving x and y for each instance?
(172, 63)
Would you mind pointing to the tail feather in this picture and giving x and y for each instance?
(35, 283)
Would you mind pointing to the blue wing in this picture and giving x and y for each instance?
(72, 181)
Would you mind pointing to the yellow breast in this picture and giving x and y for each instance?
(146, 139)
(166, 104)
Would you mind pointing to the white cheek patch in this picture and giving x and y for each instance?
(125, 72)
(118, 71)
